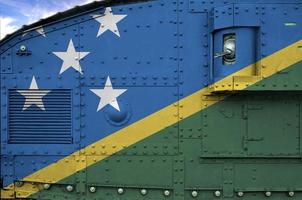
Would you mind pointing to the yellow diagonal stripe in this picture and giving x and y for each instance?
(152, 123)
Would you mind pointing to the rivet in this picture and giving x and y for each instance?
(194, 193)
(69, 188)
(166, 192)
(217, 193)
(22, 48)
(268, 194)
(92, 189)
(46, 186)
(19, 183)
(240, 194)
(120, 191)
(291, 193)
(143, 191)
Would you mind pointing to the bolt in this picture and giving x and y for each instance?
(268, 194)
(46, 186)
(18, 183)
(69, 188)
(22, 48)
(92, 189)
(120, 190)
(291, 193)
(217, 193)
(240, 194)
(143, 191)
(194, 193)
(166, 192)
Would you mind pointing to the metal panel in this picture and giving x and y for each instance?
(223, 17)
(6, 62)
(283, 30)
(140, 52)
(273, 125)
(7, 169)
(118, 170)
(265, 176)
(205, 176)
(23, 164)
(45, 67)
(49, 126)
(247, 15)
(206, 5)
(224, 128)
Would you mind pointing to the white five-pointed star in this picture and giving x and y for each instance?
(108, 21)
(108, 95)
(71, 58)
(40, 30)
(33, 98)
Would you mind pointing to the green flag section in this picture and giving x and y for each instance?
(247, 146)
(288, 79)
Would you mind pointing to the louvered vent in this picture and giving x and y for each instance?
(41, 122)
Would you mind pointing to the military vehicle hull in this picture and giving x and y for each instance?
(177, 99)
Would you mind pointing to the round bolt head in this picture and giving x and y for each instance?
(18, 183)
(240, 194)
(217, 193)
(22, 48)
(268, 194)
(46, 186)
(291, 193)
(92, 189)
(69, 188)
(166, 192)
(120, 190)
(194, 193)
(143, 191)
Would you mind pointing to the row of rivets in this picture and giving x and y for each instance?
(269, 194)
(216, 193)
(121, 191)
(194, 193)
(290, 194)
(241, 194)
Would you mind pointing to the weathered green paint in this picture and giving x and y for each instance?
(253, 125)
(233, 146)
(288, 79)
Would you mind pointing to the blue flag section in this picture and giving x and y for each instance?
(82, 75)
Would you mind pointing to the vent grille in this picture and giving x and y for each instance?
(42, 122)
